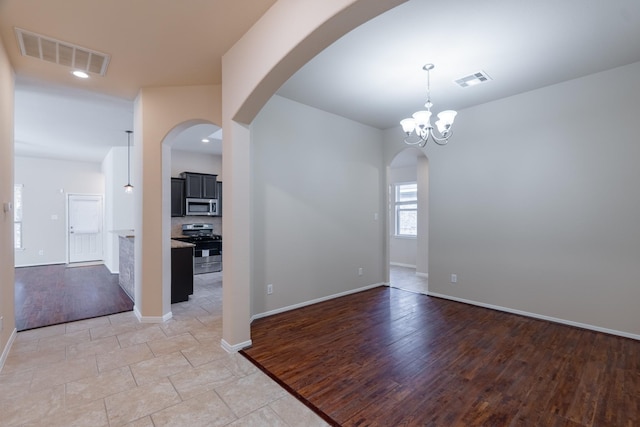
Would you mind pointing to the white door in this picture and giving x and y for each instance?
(85, 228)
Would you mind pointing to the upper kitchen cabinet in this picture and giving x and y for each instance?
(199, 186)
(219, 190)
(177, 197)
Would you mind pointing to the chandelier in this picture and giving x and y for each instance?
(418, 128)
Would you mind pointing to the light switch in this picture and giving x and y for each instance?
(7, 206)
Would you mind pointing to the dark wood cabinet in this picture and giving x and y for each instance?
(177, 197)
(219, 197)
(181, 274)
(199, 186)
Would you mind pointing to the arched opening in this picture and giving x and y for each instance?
(194, 149)
(408, 220)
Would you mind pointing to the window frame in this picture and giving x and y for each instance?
(18, 203)
(404, 206)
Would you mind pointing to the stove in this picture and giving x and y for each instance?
(207, 253)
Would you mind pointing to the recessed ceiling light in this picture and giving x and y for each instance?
(205, 140)
(80, 74)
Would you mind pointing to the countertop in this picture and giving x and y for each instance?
(176, 244)
(124, 233)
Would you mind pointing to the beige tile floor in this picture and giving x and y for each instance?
(405, 278)
(115, 371)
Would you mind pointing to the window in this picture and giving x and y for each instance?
(17, 216)
(406, 207)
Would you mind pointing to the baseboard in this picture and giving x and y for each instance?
(85, 264)
(41, 264)
(151, 319)
(538, 316)
(315, 301)
(425, 275)
(399, 264)
(234, 348)
(7, 348)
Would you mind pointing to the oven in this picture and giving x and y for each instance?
(207, 253)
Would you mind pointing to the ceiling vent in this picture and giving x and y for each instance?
(473, 79)
(62, 53)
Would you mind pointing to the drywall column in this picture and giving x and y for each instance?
(253, 69)
(151, 303)
(159, 114)
(6, 196)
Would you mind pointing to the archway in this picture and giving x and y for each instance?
(277, 51)
(408, 219)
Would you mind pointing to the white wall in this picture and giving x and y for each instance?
(317, 182)
(535, 203)
(118, 205)
(186, 161)
(402, 250)
(46, 186)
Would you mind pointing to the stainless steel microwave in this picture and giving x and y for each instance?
(202, 207)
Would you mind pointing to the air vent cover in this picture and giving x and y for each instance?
(473, 79)
(62, 53)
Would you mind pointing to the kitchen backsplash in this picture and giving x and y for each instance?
(177, 222)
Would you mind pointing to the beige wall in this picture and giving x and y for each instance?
(534, 203)
(6, 195)
(187, 161)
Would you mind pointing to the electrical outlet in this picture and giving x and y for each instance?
(269, 289)
(41, 252)
(454, 278)
(360, 271)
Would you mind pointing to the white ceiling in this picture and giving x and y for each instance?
(372, 75)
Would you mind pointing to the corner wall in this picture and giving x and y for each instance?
(317, 205)
(7, 276)
(118, 205)
(46, 185)
(535, 203)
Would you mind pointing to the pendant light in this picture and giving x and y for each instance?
(128, 188)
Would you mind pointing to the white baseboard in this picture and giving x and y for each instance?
(315, 301)
(538, 316)
(41, 264)
(151, 319)
(7, 348)
(234, 348)
(399, 264)
(425, 275)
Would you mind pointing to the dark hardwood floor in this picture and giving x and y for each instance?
(51, 294)
(388, 357)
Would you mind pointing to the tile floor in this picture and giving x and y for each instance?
(115, 371)
(405, 278)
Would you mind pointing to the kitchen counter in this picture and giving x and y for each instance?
(176, 244)
(124, 233)
(126, 257)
